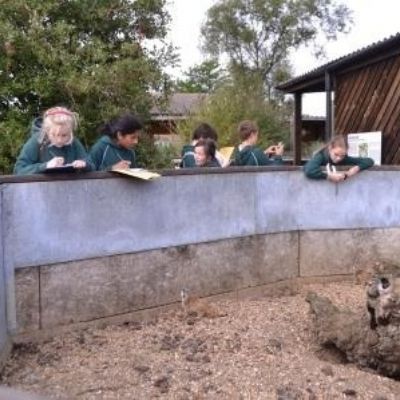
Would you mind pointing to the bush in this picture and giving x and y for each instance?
(155, 156)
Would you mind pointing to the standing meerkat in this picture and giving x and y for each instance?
(192, 304)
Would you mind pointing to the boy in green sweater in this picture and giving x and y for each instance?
(248, 154)
(335, 153)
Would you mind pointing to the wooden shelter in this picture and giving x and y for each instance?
(362, 95)
(178, 107)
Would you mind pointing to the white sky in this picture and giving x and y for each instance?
(373, 21)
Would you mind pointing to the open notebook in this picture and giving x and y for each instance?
(139, 173)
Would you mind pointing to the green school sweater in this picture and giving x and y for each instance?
(252, 155)
(33, 158)
(187, 154)
(313, 169)
(105, 153)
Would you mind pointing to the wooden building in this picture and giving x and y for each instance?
(178, 107)
(362, 95)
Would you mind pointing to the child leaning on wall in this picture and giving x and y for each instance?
(204, 153)
(248, 154)
(52, 144)
(203, 131)
(335, 153)
(115, 148)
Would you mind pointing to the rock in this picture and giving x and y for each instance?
(288, 393)
(170, 343)
(206, 359)
(47, 359)
(327, 370)
(141, 368)
(349, 391)
(162, 383)
(376, 348)
(273, 346)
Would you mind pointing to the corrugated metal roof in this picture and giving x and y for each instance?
(314, 75)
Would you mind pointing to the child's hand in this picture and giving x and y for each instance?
(279, 149)
(271, 150)
(276, 150)
(352, 171)
(123, 164)
(55, 162)
(336, 177)
(79, 164)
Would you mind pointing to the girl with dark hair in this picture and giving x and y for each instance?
(335, 153)
(204, 153)
(114, 150)
(203, 131)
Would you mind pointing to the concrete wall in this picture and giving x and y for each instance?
(4, 340)
(84, 249)
(49, 222)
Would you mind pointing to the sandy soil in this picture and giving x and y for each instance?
(263, 349)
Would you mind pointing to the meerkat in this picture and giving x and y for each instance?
(192, 304)
(378, 300)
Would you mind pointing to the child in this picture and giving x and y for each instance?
(114, 150)
(248, 154)
(203, 131)
(335, 153)
(204, 153)
(52, 144)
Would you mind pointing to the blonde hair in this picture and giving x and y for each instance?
(246, 128)
(338, 141)
(58, 116)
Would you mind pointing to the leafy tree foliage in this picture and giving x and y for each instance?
(201, 78)
(257, 35)
(236, 100)
(99, 57)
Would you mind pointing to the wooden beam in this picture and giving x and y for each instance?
(328, 90)
(297, 129)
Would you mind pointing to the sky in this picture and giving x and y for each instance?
(373, 21)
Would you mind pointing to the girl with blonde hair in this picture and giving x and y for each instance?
(52, 144)
(331, 155)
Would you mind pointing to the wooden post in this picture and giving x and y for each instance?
(328, 123)
(297, 129)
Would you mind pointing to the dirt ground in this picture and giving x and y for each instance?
(263, 349)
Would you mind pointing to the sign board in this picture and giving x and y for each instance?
(366, 144)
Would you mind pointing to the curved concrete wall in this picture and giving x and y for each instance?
(105, 236)
(4, 340)
(49, 222)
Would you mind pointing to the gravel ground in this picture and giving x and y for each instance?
(263, 349)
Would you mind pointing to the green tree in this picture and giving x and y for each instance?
(100, 57)
(257, 35)
(201, 78)
(236, 100)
